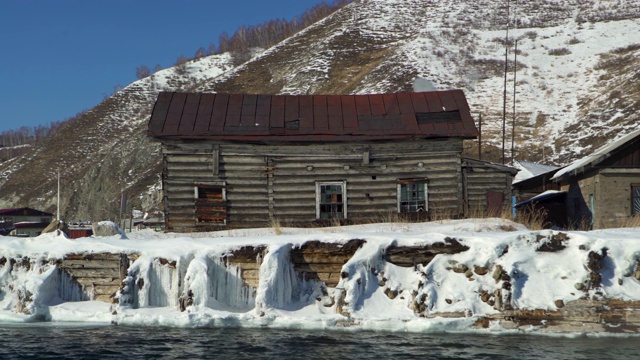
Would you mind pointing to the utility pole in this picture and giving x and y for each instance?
(515, 68)
(58, 203)
(480, 136)
(504, 97)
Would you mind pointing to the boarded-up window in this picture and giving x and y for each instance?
(635, 199)
(211, 205)
(412, 196)
(331, 200)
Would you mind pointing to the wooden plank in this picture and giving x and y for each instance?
(243, 265)
(93, 256)
(318, 268)
(330, 279)
(320, 257)
(95, 272)
(215, 160)
(90, 282)
(104, 298)
(250, 274)
(106, 289)
(89, 264)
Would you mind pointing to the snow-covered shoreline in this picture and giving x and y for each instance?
(495, 281)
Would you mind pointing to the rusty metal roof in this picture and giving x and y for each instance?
(311, 117)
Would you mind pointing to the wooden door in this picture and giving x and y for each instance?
(495, 200)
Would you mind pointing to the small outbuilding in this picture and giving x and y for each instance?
(603, 188)
(237, 160)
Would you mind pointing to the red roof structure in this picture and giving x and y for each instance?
(23, 211)
(311, 118)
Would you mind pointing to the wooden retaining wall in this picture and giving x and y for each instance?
(100, 274)
(248, 259)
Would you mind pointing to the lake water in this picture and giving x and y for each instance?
(51, 341)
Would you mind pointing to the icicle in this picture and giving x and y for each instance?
(226, 286)
(278, 280)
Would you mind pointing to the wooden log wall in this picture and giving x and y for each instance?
(265, 182)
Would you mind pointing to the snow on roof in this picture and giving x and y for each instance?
(530, 169)
(542, 196)
(596, 157)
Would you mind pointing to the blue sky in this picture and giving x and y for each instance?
(62, 57)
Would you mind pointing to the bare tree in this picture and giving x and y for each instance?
(201, 52)
(142, 71)
(212, 49)
(181, 64)
(223, 43)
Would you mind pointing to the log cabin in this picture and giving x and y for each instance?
(238, 160)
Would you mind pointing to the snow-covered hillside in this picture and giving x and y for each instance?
(576, 88)
(564, 55)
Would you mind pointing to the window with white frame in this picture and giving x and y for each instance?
(412, 195)
(331, 200)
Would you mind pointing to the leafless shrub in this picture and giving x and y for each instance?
(574, 40)
(626, 49)
(559, 51)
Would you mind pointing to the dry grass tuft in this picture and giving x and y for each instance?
(532, 218)
(633, 221)
(274, 224)
(626, 222)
